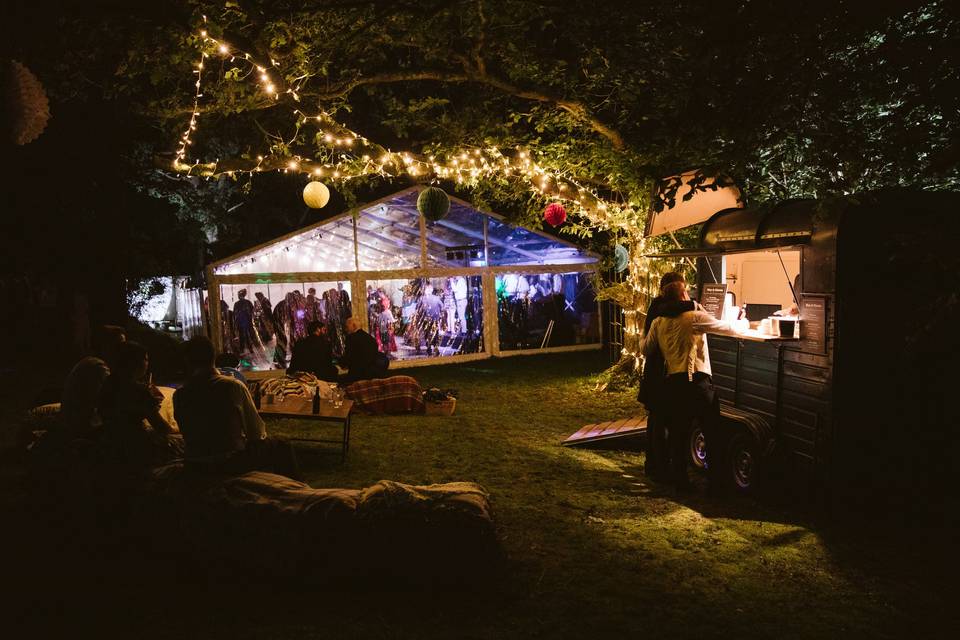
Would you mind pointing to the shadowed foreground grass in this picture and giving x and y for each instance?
(593, 549)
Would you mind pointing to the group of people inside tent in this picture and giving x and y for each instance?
(544, 310)
(420, 316)
(260, 331)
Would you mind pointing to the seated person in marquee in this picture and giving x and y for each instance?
(360, 357)
(314, 354)
(221, 428)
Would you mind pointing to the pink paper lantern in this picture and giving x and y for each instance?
(555, 214)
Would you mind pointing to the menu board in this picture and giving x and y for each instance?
(713, 298)
(813, 323)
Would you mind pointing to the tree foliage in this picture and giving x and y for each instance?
(787, 99)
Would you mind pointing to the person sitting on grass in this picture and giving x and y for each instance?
(361, 358)
(314, 354)
(134, 432)
(222, 430)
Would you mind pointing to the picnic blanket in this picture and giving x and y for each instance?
(289, 528)
(396, 394)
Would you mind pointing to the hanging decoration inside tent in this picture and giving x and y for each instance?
(26, 104)
(433, 203)
(555, 214)
(621, 258)
(316, 195)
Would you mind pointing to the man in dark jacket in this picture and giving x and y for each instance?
(314, 354)
(361, 357)
(652, 386)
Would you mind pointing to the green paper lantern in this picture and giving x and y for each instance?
(433, 203)
(621, 258)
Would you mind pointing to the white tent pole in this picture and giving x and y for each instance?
(213, 309)
(491, 317)
(356, 248)
(486, 242)
(423, 241)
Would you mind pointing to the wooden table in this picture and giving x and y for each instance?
(296, 407)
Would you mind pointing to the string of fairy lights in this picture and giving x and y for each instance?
(352, 155)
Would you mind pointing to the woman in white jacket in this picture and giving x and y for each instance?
(689, 387)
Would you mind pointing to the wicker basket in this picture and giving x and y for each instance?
(444, 408)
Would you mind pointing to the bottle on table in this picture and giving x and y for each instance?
(316, 399)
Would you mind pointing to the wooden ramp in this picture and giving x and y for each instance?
(602, 431)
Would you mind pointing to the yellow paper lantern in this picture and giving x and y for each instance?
(316, 195)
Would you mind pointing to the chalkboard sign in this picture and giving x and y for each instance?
(813, 323)
(713, 298)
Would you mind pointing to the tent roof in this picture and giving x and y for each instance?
(388, 237)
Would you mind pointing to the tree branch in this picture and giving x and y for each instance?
(577, 109)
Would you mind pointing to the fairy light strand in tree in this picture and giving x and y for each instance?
(466, 167)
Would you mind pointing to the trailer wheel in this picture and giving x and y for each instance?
(698, 447)
(743, 460)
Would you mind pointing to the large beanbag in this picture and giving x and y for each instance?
(270, 524)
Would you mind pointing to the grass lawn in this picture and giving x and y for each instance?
(594, 550)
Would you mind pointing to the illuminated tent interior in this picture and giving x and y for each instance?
(465, 287)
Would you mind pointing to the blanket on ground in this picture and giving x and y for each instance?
(397, 394)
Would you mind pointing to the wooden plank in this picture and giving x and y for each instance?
(761, 350)
(756, 403)
(728, 380)
(726, 394)
(759, 376)
(804, 402)
(817, 390)
(796, 444)
(766, 391)
(817, 374)
(608, 430)
(613, 427)
(797, 430)
(598, 429)
(592, 427)
(800, 416)
(584, 431)
(755, 362)
(811, 359)
(722, 357)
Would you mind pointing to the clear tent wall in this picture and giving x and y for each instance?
(465, 287)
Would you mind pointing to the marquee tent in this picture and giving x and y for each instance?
(466, 287)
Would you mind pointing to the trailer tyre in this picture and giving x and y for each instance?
(743, 462)
(698, 447)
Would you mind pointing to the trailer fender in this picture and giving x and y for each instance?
(753, 423)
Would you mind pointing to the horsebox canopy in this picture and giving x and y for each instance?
(691, 205)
